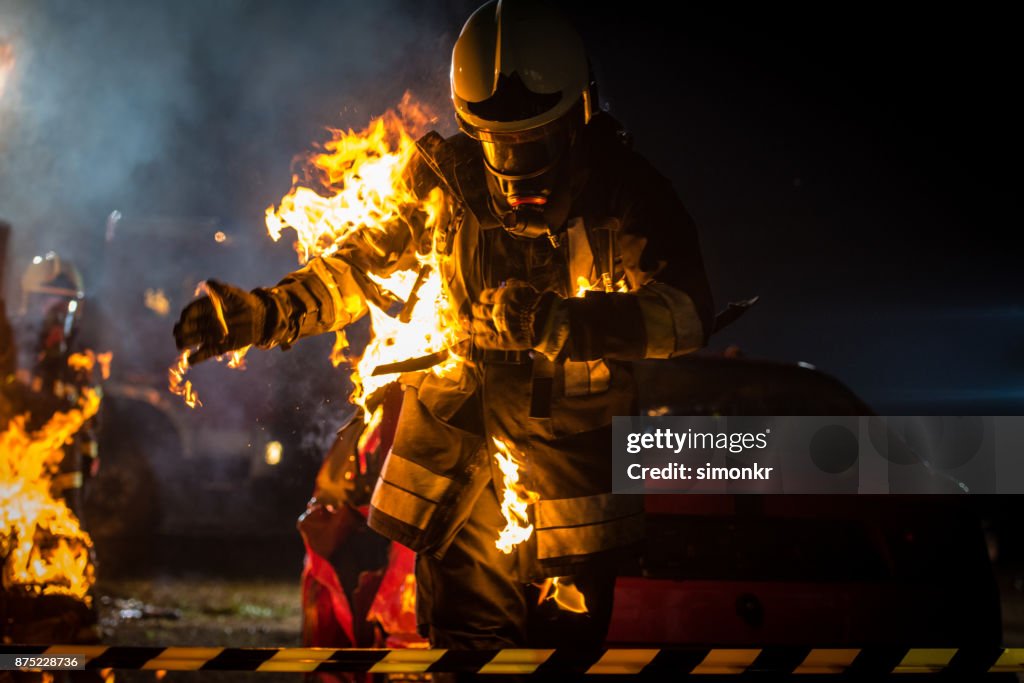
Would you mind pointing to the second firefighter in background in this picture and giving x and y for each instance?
(542, 192)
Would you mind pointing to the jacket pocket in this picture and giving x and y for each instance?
(583, 378)
(591, 398)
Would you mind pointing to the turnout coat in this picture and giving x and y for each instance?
(626, 238)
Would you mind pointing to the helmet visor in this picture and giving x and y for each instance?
(508, 156)
(530, 152)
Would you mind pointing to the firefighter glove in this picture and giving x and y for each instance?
(228, 318)
(516, 317)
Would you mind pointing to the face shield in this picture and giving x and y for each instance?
(528, 166)
(524, 161)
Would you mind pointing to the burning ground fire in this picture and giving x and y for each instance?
(45, 549)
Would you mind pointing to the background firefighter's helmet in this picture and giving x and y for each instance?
(51, 294)
(51, 275)
(521, 86)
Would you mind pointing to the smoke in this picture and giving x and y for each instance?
(185, 119)
(189, 109)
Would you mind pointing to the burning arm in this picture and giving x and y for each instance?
(363, 227)
(325, 295)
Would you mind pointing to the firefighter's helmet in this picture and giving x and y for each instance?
(51, 275)
(521, 85)
(51, 295)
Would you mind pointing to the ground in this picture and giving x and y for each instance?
(197, 606)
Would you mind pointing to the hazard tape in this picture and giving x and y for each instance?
(868, 661)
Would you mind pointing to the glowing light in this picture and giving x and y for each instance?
(157, 302)
(272, 453)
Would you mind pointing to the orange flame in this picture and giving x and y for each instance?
(104, 360)
(178, 385)
(85, 361)
(583, 285)
(361, 178)
(567, 596)
(515, 500)
(176, 382)
(362, 188)
(44, 547)
(236, 358)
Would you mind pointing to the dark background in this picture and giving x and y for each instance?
(844, 164)
(849, 164)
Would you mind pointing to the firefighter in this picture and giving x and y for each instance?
(542, 193)
(50, 315)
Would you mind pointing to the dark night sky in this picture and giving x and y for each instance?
(843, 165)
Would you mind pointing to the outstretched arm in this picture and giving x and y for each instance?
(325, 295)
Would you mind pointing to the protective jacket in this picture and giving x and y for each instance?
(630, 268)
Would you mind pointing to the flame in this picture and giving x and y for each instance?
(178, 385)
(361, 187)
(104, 360)
(583, 285)
(176, 382)
(567, 596)
(409, 594)
(338, 355)
(236, 359)
(44, 548)
(85, 361)
(157, 301)
(361, 175)
(218, 306)
(515, 500)
(431, 328)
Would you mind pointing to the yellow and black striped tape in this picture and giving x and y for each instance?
(867, 661)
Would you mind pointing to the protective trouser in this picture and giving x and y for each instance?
(475, 596)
